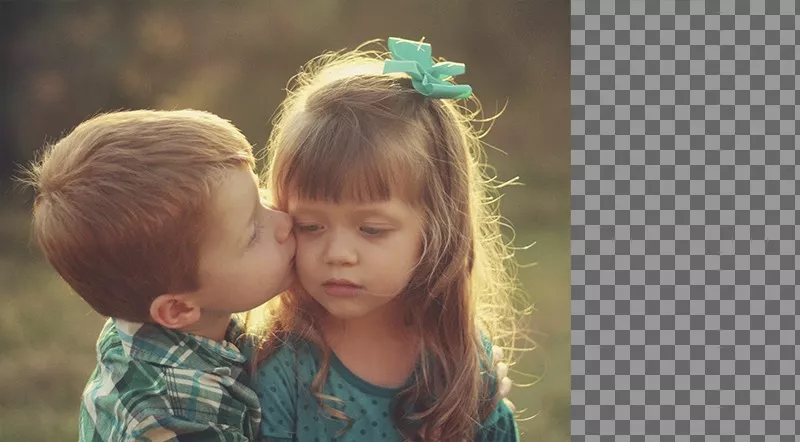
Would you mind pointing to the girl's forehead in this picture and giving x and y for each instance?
(352, 187)
(345, 204)
(390, 207)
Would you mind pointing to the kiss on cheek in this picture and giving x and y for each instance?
(354, 258)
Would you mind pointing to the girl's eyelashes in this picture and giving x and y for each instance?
(371, 231)
(313, 227)
(306, 228)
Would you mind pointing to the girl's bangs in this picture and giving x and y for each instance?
(333, 161)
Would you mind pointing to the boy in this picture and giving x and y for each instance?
(154, 218)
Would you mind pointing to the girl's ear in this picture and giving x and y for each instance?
(174, 311)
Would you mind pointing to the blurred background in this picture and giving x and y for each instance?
(66, 61)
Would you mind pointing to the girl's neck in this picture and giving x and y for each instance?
(387, 322)
(378, 348)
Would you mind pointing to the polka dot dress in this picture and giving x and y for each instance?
(291, 413)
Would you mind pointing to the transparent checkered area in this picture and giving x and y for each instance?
(684, 221)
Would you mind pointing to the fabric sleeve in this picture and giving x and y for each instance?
(149, 420)
(277, 389)
(172, 429)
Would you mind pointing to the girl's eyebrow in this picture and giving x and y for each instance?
(302, 210)
(359, 212)
(376, 212)
(371, 211)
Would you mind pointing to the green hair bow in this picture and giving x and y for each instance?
(414, 58)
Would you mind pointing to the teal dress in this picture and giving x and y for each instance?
(290, 411)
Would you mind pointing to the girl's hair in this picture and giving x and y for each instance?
(348, 132)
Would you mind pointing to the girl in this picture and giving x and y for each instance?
(404, 279)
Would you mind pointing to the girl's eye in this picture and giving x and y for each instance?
(257, 229)
(372, 231)
(306, 228)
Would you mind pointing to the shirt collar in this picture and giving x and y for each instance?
(162, 346)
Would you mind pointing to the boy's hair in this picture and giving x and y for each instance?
(347, 131)
(121, 203)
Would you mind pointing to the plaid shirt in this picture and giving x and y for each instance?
(155, 384)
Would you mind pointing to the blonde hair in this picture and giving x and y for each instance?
(121, 203)
(347, 131)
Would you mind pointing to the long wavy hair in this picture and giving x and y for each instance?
(347, 131)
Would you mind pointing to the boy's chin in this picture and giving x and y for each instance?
(289, 283)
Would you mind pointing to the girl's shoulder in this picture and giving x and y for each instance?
(280, 382)
(294, 359)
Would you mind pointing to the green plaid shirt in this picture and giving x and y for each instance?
(155, 384)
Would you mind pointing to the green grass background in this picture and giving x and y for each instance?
(66, 61)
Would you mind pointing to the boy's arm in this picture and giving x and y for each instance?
(125, 400)
(159, 426)
(499, 426)
(501, 372)
(174, 430)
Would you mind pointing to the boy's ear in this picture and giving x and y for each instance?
(175, 311)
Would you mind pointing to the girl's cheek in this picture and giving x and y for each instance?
(303, 246)
(302, 255)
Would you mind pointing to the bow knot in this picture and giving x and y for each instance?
(414, 58)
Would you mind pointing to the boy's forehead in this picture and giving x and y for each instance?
(265, 195)
(234, 183)
(234, 199)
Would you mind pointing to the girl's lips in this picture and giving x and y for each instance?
(341, 288)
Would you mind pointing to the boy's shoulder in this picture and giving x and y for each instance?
(151, 380)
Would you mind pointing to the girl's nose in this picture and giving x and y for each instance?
(339, 250)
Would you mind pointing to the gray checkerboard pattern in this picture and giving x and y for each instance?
(684, 220)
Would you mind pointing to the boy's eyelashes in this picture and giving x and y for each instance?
(257, 229)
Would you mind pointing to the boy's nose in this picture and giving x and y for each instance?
(283, 225)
